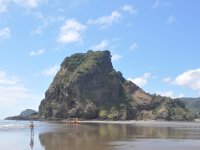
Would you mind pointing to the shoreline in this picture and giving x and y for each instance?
(152, 123)
(147, 123)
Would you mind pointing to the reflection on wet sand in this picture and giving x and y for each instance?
(32, 141)
(75, 137)
(31, 135)
(127, 132)
(99, 136)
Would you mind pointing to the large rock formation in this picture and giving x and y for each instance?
(87, 86)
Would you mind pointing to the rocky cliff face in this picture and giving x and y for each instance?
(87, 86)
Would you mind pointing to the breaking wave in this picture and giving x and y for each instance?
(5, 126)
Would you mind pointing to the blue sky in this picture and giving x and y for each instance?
(154, 43)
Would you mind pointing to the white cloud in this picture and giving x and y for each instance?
(70, 32)
(14, 95)
(27, 3)
(22, 3)
(156, 4)
(147, 75)
(4, 80)
(51, 71)
(116, 57)
(160, 3)
(114, 17)
(2, 6)
(171, 20)
(130, 9)
(189, 79)
(45, 22)
(39, 29)
(101, 46)
(167, 80)
(170, 94)
(180, 95)
(4, 33)
(75, 3)
(38, 52)
(167, 94)
(134, 46)
(141, 81)
(105, 21)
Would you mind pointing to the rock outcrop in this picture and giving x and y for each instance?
(88, 87)
(28, 114)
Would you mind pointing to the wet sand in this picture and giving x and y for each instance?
(158, 144)
(103, 135)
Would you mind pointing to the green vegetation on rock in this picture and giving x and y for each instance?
(87, 87)
(193, 104)
(27, 114)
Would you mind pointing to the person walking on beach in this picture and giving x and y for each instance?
(32, 128)
(76, 120)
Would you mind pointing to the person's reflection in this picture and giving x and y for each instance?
(32, 141)
(32, 135)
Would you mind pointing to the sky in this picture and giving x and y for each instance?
(154, 43)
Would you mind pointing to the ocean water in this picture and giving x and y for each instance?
(6, 125)
(98, 136)
(16, 135)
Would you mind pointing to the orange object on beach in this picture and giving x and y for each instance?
(74, 120)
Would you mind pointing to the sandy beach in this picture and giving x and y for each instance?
(100, 135)
(152, 123)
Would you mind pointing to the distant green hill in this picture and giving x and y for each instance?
(27, 114)
(193, 104)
